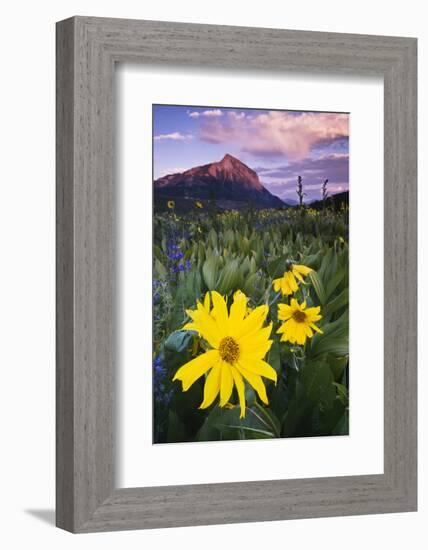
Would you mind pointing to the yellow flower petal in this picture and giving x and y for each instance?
(195, 368)
(314, 327)
(284, 312)
(298, 276)
(239, 383)
(303, 269)
(255, 381)
(258, 366)
(212, 386)
(220, 311)
(251, 342)
(277, 284)
(291, 281)
(207, 302)
(251, 323)
(207, 326)
(226, 384)
(238, 308)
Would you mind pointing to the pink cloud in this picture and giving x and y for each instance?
(277, 132)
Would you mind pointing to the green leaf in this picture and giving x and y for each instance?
(250, 284)
(334, 281)
(342, 427)
(334, 340)
(340, 301)
(178, 341)
(318, 286)
(274, 357)
(176, 429)
(317, 379)
(264, 433)
(229, 278)
(159, 269)
(336, 346)
(276, 268)
(212, 237)
(342, 393)
(210, 271)
(157, 252)
(299, 410)
(268, 417)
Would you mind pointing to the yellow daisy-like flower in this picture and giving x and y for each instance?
(199, 204)
(287, 284)
(299, 322)
(170, 204)
(238, 344)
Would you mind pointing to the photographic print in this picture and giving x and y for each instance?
(250, 273)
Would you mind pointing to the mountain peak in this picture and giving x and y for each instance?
(229, 180)
(229, 157)
(229, 161)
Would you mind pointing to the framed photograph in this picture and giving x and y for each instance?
(263, 273)
(236, 274)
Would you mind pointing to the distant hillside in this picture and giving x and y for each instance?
(229, 182)
(291, 202)
(335, 201)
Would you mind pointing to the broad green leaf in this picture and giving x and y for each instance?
(342, 427)
(334, 281)
(176, 429)
(210, 271)
(157, 252)
(318, 286)
(159, 269)
(276, 267)
(178, 341)
(342, 393)
(229, 278)
(340, 301)
(317, 379)
(264, 433)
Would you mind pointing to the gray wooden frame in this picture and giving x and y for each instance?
(87, 50)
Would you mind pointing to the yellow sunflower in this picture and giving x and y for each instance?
(238, 343)
(288, 283)
(170, 204)
(299, 322)
(199, 204)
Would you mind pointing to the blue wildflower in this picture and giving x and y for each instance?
(160, 393)
(156, 291)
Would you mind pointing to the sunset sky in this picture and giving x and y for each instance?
(278, 145)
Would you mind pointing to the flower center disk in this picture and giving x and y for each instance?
(229, 350)
(299, 316)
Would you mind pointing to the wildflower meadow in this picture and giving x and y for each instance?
(250, 322)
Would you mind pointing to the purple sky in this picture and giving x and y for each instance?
(278, 145)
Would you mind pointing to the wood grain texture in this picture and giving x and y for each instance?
(87, 50)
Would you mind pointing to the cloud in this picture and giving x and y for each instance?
(334, 167)
(236, 116)
(209, 113)
(281, 180)
(277, 133)
(175, 136)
